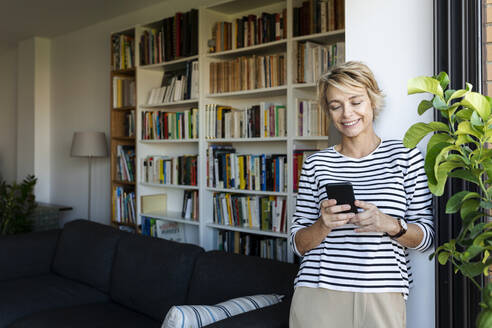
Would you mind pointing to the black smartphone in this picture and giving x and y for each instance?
(343, 192)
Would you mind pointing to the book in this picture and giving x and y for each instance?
(156, 203)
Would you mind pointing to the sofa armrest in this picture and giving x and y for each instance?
(27, 254)
(275, 316)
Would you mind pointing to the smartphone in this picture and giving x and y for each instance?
(343, 192)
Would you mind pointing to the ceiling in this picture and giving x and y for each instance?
(22, 19)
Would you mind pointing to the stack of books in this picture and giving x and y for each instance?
(123, 52)
(317, 16)
(160, 125)
(254, 245)
(181, 170)
(314, 60)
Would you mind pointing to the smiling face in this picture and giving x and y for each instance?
(350, 111)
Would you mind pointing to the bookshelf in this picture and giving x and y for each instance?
(123, 138)
(148, 75)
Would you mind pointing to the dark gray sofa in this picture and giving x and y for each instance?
(92, 275)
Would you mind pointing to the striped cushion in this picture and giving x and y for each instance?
(195, 316)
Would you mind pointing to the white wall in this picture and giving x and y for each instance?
(80, 101)
(395, 39)
(8, 114)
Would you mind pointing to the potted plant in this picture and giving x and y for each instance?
(17, 202)
(459, 149)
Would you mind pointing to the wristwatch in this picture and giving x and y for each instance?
(403, 229)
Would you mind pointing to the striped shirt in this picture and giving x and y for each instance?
(392, 177)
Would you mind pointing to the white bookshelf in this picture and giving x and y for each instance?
(203, 232)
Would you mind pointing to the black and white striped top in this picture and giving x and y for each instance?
(392, 177)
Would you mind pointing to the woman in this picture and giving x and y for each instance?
(355, 269)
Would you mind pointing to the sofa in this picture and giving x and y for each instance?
(92, 275)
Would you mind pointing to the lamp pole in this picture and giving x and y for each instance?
(89, 190)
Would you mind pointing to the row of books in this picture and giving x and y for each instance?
(123, 53)
(163, 229)
(249, 31)
(312, 120)
(181, 170)
(190, 205)
(314, 60)
(254, 245)
(263, 120)
(125, 167)
(175, 37)
(247, 73)
(176, 86)
(316, 16)
(160, 125)
(124, 206)
(123, 91)
(267, 213)
(262, 172)
(129, 124)
(299, 158)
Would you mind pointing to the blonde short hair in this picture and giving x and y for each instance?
(352, 74)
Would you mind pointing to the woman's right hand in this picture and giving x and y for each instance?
(330, 214)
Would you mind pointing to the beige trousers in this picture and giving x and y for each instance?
(324, 308)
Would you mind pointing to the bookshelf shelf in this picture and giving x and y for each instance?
(224, 140)
(312, 138)
(229, 7)
(172, 104)
(248, 230)
(304, 86)
(123, 138)
(119, 182)
(248, 192)
(169, 65)
(265, 92)
(171, 186)
(123, 109)
(274, 46)
(170, 216)
(168, 141)
(321, 37)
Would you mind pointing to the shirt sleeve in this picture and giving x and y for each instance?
(307, 203)
(419, 199)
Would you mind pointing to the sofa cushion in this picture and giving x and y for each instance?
(275, 316)
(150, 275)
(97, 315)
(196, 316)
(85, 253)
(21, 297)
(27, 254)
(219, 276)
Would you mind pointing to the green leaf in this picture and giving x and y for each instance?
(464, 139)
(477, 102)
(464, 175)
(424, 84)
(486, 205)
(443, 79)
(448, 94)
(430, 160)
(473, 251)
(454, 203)
(466, 128)
(475, 120)
(469, 86)
(424, 106)
(465, 113)
(469, 206)
(419, 130)
(438, 138)
(443, 258)
(473, 269)
(441, 177)
(438, 103)
(457, 94)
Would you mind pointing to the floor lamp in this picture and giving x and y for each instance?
(89, 144)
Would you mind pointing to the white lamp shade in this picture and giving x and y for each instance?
(89, 144)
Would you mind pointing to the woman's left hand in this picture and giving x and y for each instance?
(373, 220)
